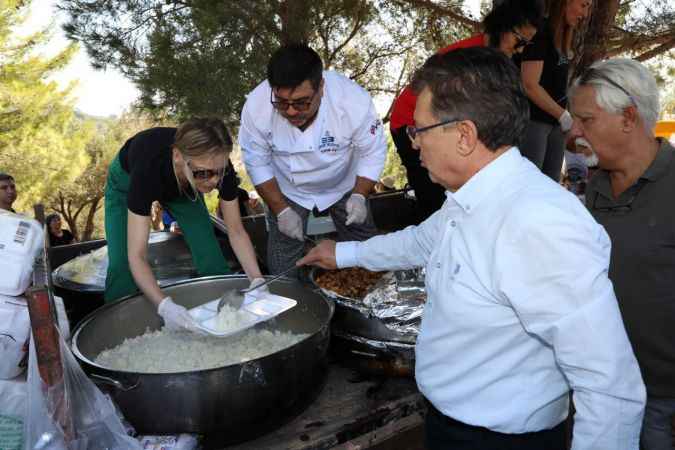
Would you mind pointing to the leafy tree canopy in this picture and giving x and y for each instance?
(40, 137)
(202, 57)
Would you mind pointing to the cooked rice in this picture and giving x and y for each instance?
(167, 351)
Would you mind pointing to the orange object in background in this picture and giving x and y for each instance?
(665, 129)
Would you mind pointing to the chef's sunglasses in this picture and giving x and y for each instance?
(300, 105)
(521, 41)
(414, 132)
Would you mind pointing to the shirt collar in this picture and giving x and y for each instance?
(657, 169)
(489, 178)
(659, 166)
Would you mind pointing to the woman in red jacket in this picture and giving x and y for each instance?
(509, 27)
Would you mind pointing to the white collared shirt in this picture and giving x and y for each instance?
(317, 166)
(520, 309)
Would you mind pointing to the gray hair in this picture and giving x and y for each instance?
(620, 83)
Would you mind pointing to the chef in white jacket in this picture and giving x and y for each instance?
(311, 140)
(520, 310)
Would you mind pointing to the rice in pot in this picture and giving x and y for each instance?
(167, 351)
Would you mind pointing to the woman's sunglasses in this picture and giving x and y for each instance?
(207, 174)
(521, 41)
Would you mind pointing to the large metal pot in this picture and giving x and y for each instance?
(168, 255)
(353, 321)
(236, 402)
(365, 342)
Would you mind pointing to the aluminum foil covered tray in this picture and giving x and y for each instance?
(396, 299)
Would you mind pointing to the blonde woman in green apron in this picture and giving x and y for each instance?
(172, 166)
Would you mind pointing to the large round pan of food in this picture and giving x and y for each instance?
(167, 382)
(347, 288)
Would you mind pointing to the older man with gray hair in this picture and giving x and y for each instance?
(617, 104)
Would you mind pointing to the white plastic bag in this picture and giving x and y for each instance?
(95, 423)
(13, 397)
(14, 333)
(62, 317)
(21, 240)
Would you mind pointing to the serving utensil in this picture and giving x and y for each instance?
(235, 297)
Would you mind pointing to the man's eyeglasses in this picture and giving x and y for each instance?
(298, 105)
(414, 132)
(207, 174)
(625, 207)
(521, 41)
(593, 74)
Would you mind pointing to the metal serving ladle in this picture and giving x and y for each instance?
(235, 297)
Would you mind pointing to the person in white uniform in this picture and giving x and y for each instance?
(311, 140)
(520, 310)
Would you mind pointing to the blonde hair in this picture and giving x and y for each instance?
(563, 34)
(201, 136)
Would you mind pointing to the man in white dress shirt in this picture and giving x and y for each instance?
(520, 310)
(311, 140)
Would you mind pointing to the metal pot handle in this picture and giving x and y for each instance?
(108, 381)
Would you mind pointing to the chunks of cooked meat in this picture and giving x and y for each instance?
(354, 282)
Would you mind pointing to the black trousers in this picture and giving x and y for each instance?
(429, 195)
(444, 433)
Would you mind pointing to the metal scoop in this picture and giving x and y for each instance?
(235, 297)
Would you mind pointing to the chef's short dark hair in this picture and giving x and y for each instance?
(292, 64)
(479, 84)
(6, 177)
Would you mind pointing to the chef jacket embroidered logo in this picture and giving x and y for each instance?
(376, 124)
(328, 144)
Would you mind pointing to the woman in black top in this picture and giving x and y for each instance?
(57, 236)
(544, 70)
(172, 166)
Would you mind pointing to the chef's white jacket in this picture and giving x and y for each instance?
(317, 166)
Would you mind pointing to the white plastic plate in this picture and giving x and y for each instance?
(256, 312)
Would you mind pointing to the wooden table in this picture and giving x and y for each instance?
(352, 412)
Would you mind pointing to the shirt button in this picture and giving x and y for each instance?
(468, 207)
(453, 223)
(438, 265)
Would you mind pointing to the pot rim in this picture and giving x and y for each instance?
(83, 323)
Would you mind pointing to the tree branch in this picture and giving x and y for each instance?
(358, 22)
(448, 12)
(634, 43)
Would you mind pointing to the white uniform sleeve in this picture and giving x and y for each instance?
(405, 249)
(551, 267)
(370, 144)
(256, 153)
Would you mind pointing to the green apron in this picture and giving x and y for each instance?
(192, 217)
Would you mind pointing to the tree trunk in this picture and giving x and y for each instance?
(294, 15)
(594, 45)
(89, 224)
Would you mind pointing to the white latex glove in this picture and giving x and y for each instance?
(256, 294)
(176, 317)
(290, 223)
(356, 209)
(565, 121)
